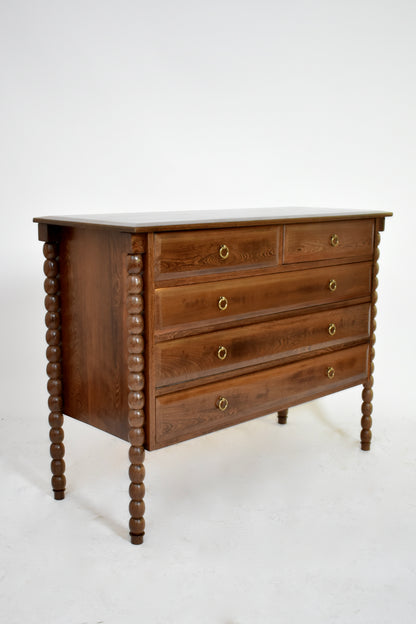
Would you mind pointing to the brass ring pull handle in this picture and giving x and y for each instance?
(332, 285)
(335, 240)
(330, 372)
(224, 252)
(223, 303)
(222, 404)
(332, 329)
(222, 353)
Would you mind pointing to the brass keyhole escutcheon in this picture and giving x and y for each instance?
(224, 252)
(223, 303)
(222, 404)
(332, 328)
(222, 353)
(335, 240)
(330, 372)
(332, 285)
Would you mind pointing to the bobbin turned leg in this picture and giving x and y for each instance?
(54, 367)
(367, 394)
(282, 417)
(136, 415)
(366, 420)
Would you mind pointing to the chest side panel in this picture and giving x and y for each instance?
(93, 294)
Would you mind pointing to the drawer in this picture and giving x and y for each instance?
(210, 304)
(185, 359)
(328, 240)
(190, 413)
(200, 252)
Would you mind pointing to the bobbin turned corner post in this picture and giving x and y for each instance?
(367, 393)
(136, 398)
(54, 366)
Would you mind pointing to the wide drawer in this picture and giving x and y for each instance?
(186, 359)
(200, 252)
(214, 303)
(190, 413)
(328, 240)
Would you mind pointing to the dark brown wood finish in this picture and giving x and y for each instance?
(206, 219)
(282, 416)
(54, 367)
(149, 342)
(367, 394)
(184, 254)
(256, 272)
(93, 331)
(220, 351)
(190, 413)
(162, 328)
(328, 241)
(136, 395)
(218, 302)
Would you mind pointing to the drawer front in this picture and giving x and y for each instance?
(189, 413)
(184, 254)
(214, 303)
(185, 359)
(328, 240)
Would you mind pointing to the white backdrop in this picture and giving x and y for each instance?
(122, 106)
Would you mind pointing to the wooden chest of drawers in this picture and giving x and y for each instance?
(165, 327)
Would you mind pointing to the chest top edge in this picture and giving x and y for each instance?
(198, 219)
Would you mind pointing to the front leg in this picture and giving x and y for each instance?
(366, 420)
(54, 367)
(136, 398)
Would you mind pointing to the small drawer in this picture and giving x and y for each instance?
(328, 240)
(211, 304)
(203, 252)
(190, 413)
(187, 359)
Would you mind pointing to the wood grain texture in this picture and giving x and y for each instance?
(150, 378)
(256, 272)
(136, 394)
(198, 305)
(180, 254)
(190, 413)
(367, 394)
(54, 367)
(328, 241)
(216, 352)
(93, 329)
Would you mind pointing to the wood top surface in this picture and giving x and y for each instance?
(137, 222)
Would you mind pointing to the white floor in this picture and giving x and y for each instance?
(257, 523)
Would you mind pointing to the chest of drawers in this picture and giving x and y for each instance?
(164, 327)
